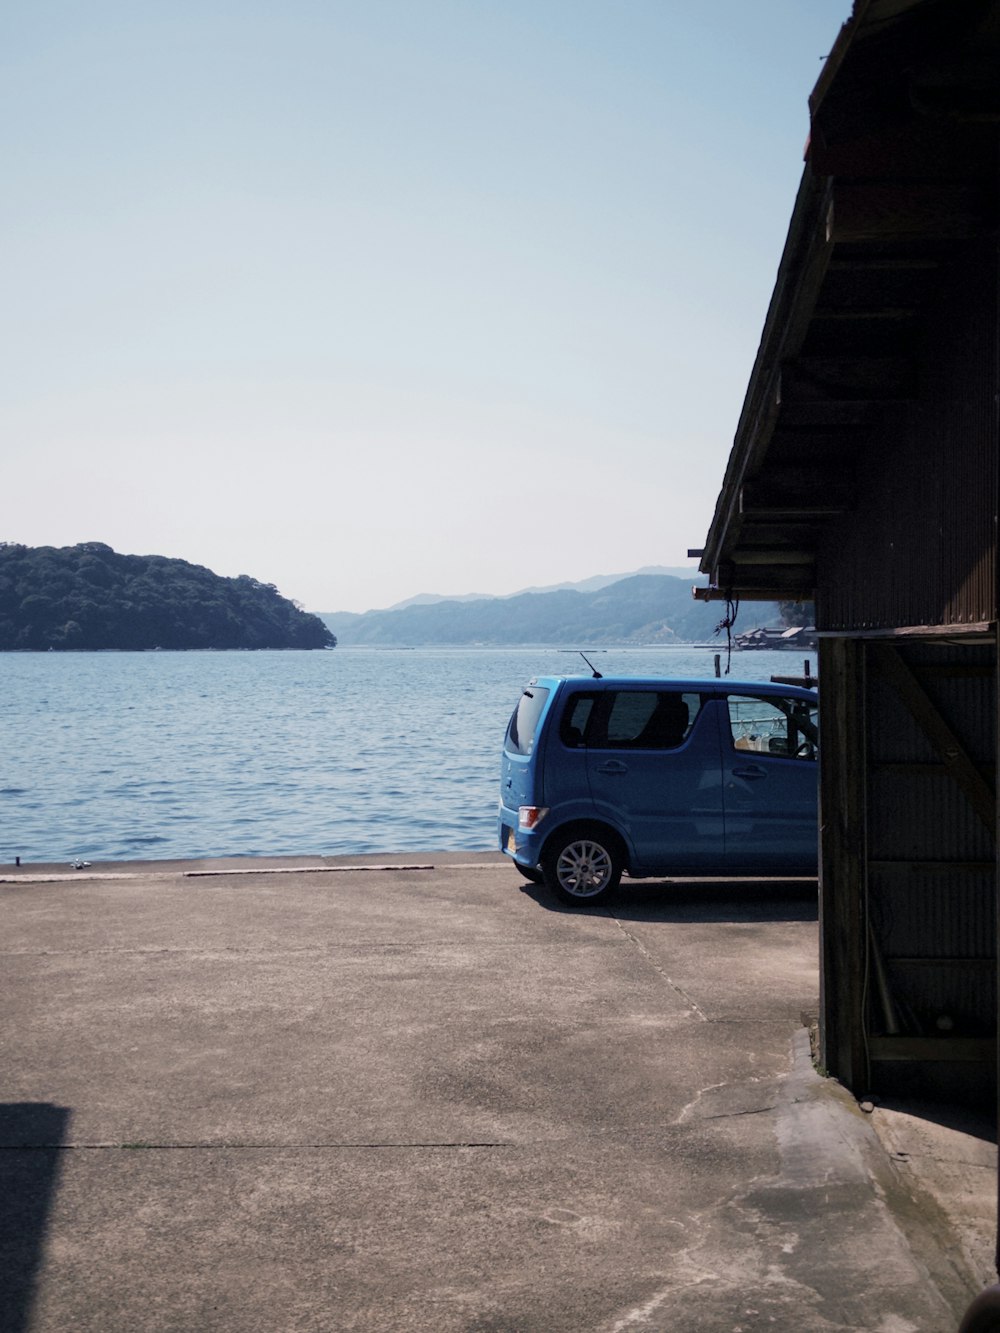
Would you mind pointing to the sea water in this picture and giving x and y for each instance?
(160, 755)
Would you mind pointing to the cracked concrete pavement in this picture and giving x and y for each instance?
(321, 1094)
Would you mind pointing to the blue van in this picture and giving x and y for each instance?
(658, 777)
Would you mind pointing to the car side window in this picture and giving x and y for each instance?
(774, 725)
(644, 720)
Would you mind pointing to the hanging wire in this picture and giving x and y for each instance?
(727, 623)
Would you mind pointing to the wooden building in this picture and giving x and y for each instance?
(864, 476)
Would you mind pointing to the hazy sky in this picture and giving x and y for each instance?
(392, 296)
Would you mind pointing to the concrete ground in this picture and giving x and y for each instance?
(332, 1095)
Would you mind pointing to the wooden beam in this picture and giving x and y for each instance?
(976, 631)
(954, 960)
(868, 379)
(953, 671)
(809, 446)
(865, 261)
(905, 210)
(759, 532)
(759, 592)
(916, 769)
(795, 493)
(775, 556)
(778, 572)
(978, 792)
(865, 315)
(842, 862)
(839, 415)
(978, 1050)
(923, 867)
(790, 480)
(968, 96)
(792, 513)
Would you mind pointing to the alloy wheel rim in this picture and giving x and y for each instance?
(584, 868)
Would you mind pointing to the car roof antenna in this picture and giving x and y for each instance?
(594, 671)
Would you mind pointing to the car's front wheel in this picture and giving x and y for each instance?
(583, 866)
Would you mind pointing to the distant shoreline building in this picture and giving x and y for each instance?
(800, 637)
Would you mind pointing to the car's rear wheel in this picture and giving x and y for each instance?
(583, 866)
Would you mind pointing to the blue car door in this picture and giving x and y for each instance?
(769, 763)
(654, 766)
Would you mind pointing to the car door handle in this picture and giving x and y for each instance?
(752, 771)
(613, 766)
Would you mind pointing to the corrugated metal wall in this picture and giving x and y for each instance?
(930, 891)
(919, 547)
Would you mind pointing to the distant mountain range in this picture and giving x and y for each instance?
(594, 584)
(641, 608)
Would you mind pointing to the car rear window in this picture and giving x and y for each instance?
(524, 720)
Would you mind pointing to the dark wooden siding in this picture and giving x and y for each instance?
(919, 547)
(908, 865)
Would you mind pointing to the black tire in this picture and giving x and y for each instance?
(583, 866)
(530, 872)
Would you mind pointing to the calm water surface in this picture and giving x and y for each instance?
(111, 756)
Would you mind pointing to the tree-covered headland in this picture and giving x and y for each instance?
(90, 597)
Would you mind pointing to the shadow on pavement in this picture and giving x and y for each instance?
(971, 1120)
(698, 900)
(32, 1135)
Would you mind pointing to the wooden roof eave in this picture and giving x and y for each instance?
(812, 391)
(800, 274)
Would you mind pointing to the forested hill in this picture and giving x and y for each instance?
(90, 597)
(642, 608)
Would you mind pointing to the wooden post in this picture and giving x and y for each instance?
(842, 861)
(996, 907)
